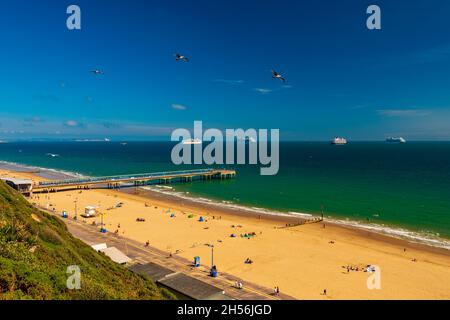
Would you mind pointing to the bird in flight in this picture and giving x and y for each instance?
(180, 57)
(278, 76)
(97, 72)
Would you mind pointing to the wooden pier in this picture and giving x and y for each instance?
(113, 182)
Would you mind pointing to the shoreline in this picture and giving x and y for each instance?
(383, 232)
(186, 204)
(302, 260)
(387, 232)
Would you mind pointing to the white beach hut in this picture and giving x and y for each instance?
(90, 211)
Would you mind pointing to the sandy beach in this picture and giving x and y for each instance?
(302, 261)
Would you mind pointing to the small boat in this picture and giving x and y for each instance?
(53, 155)
(395, 140)
(339, 141)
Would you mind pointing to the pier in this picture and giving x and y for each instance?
(114, 182)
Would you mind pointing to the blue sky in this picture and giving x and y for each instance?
(342, 79)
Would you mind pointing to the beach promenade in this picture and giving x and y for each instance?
(142, 254)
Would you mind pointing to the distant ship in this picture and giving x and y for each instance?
(395, 140)
(192, 141)
(339, 141)
(53, 155)
(246, 140)
(93, 140)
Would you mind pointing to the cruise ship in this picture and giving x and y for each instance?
(339, 141)
(192, 141)
(395, 140)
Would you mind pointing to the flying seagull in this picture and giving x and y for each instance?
(278, 76)
(97, 72)
(180, 57)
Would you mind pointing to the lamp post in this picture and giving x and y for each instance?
(76, 209)
(102, 228)
(213, 271)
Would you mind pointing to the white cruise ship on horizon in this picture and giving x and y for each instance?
(339, 141)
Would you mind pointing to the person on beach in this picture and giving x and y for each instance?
(324, 292)
(147, 243)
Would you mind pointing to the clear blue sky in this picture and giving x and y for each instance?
(342, 79)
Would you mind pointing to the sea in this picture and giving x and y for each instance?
(398, 189)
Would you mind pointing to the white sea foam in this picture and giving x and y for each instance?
(15, 165)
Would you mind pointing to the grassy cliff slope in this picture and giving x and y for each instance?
(36, 249)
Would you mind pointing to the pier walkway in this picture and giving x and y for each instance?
(134, 179)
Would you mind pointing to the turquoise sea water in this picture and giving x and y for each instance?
(402, 186)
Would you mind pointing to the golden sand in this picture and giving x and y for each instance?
(302, 260)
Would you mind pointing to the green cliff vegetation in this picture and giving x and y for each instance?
(36, 249)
